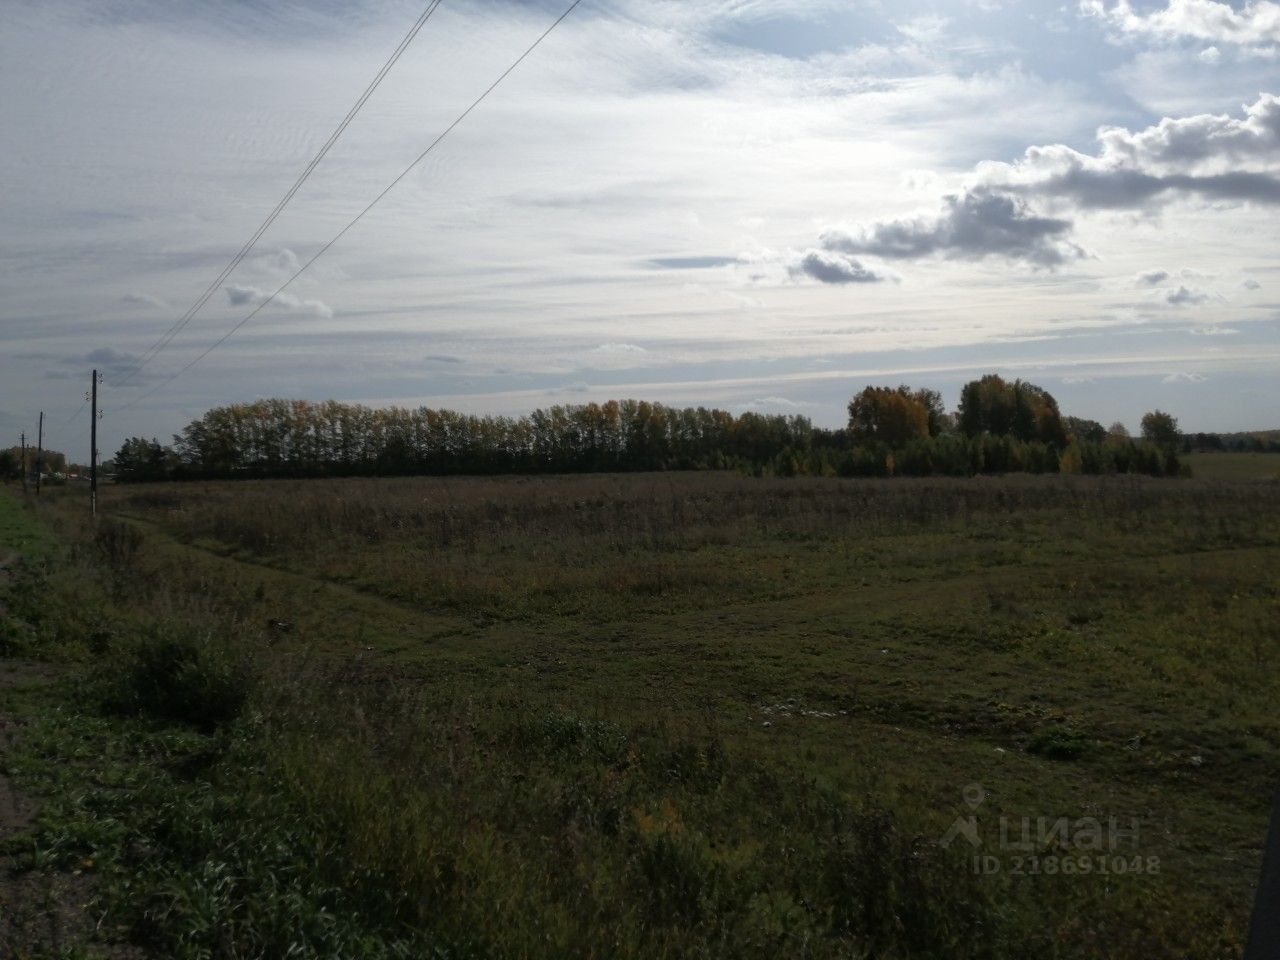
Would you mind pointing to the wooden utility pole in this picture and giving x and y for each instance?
(23, 466)
(39, 453)
(1264, 930)
(93, 448)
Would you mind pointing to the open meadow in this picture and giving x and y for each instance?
(658, 715)
(1234, 466)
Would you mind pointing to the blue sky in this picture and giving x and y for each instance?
(755, 205)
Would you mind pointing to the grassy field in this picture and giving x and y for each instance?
(21, 535)
(675, 715)
(1234, 466)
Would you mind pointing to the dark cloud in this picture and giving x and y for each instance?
(239, 296)
(1151, 278)
(144, 300)
(830, 266)
(1185, 297)
(441, 358)
(112, 364)
(105, 356)
(980, 223)
(1100, 189)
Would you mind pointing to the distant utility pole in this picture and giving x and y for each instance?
(93, 447)
(39, 453)
(24, 462)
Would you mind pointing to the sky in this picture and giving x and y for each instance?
(750, 204)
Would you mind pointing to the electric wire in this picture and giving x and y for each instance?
(358, 217)
(164, 340)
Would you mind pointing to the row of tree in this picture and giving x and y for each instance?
(991, 406)
(999, 427)
(1265, 441)
(298, 438)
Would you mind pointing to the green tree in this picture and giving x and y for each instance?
(1082, 429)
(890, 416)
(939, 419)
(1160, 427)
(141, 460)
(993, 406)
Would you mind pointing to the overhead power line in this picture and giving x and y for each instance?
(359, 216)
(83, 403)
(204, 298)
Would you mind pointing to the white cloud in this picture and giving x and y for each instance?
(743, 301)
(1213, 157)
(1210, 55)
(924, 29)
(771, 403)
(1207, 156)
(1181, 377)
(282, 263)
(241, 296)
(1255, 22)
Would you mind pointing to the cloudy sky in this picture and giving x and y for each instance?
(754, 204)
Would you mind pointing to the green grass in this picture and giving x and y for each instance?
(671, 716)
(21, 534)
(1234, 466)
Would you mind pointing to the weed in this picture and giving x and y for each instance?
(174, 674)
(1057, 743)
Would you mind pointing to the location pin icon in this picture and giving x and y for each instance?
(974, 795)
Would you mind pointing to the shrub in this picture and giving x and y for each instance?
(1057, 743)
(173, 675)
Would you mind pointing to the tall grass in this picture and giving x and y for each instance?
(497, 829)
(606, 546)
(644, 511)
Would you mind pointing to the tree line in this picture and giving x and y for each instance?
(999, 427)
(51, 463)
(1264, 441)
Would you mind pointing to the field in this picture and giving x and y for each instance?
(1234, 466)
(665, 715)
